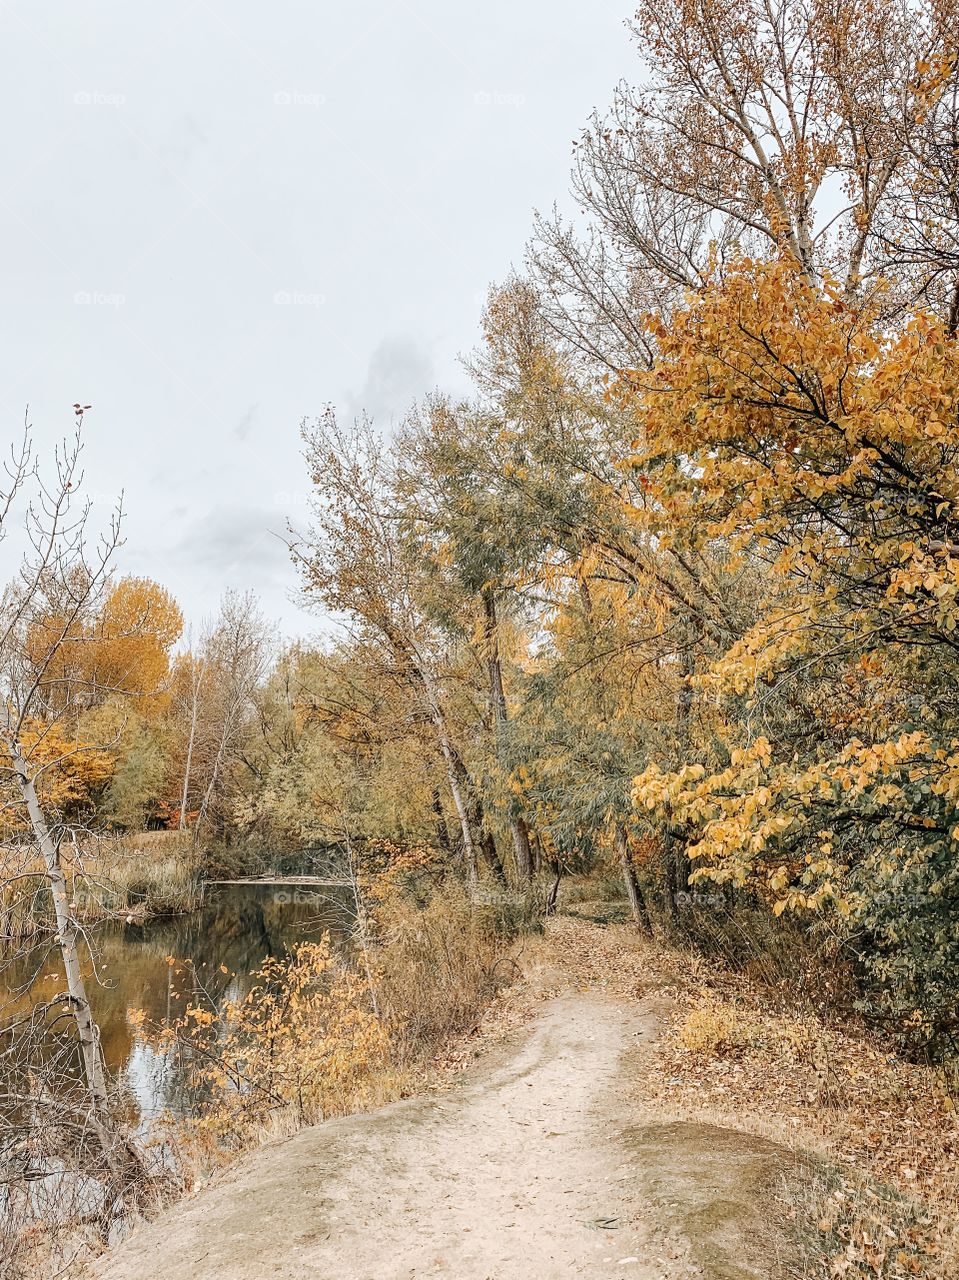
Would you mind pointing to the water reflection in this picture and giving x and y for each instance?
(234, 931)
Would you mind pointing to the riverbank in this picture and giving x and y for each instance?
(136, 877)
(123, 877)
(617, 1111)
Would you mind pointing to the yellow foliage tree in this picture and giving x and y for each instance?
(71, 772)
(122, 649)
(799, 432)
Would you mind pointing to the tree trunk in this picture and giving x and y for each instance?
(539, 859)
(678, 868)
(456, 772)
(518, 829)
(491, 854)
(487, 841)
(218, 760)
(187, 768)
(459, 800)
(442, 830)
(636, 903)
(87, 1030)
(521, 848)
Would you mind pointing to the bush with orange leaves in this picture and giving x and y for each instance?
(303, 1044)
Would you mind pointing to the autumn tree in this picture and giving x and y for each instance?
(816, 129)
(810, 437)
(213, 694)
(357, 562)
(334, 747)
(560, 457)
(476, 551)
(117, 647)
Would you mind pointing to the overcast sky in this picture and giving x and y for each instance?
(217, 216)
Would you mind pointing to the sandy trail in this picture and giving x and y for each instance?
(530, 1168)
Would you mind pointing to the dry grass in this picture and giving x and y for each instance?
(850, 1225)
(828, 1083)
(308, 1043)
(153, 873)
(437, 969)
(305, 1043)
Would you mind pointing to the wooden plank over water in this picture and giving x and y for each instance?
(267, 880)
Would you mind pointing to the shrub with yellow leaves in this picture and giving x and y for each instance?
(303, 1044)
(715, 1029)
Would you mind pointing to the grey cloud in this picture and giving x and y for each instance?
(399, 372)
(235, 539)
(246, 423)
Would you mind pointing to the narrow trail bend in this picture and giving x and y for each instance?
(533, 1167)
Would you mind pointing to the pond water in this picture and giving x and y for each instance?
(225, 940)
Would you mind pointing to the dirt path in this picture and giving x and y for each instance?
(532, 1168)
